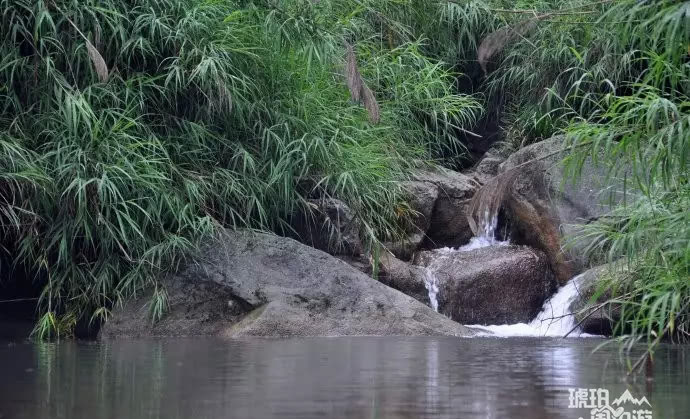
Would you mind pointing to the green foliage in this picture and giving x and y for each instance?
(615, 76)
(651, 229)
(551, 75)
(646, 122)
(132, 131)
(635, 119)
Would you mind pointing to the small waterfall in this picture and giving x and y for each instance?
(487, 227)
(431, 283)
(430, 278)
(487, 234)
(555, 318)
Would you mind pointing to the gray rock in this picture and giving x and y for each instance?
(487, 168)
(422, 198)
(195, 308)
(490, 285)
(254, 284)
(449, 225)
(543, 206)
(588, 310)
(360, 263)
(330, 226)
(404, 277)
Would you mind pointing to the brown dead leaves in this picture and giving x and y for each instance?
(359, 91)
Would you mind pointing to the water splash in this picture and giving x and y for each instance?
(431, 284)
(487, 234)
(480, 242)
(430, 278)
(555, 318)
(487, 225)
(487, 238)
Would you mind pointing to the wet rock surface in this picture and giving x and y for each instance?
(490, 285)
(544, 206)
(404, 277)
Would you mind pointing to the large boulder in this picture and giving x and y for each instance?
(542, 205)
(330, 225)
(254, 284)
(449, 225)
(438, 199)
(490, 285)
(589, 307)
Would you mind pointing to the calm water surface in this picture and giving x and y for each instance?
(326, 378)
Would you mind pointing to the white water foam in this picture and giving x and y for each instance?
(555, 318)
(486, 238)
(431, 284)
(481, 241)
(430, 279)
(487, 234)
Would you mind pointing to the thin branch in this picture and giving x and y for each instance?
(592, 311)
(569, 11)
(16, 300)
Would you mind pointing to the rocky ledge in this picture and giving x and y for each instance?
(255, 284)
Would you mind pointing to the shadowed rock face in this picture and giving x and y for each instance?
(252, 284)
(331, 226)
(421, 197)
(439, 199)
(490, 285)
(449, 225)
(404, 277)
(543, 206)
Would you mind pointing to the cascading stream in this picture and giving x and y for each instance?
(430, 278)
(487, 237)
(431, 283)
(554, 319)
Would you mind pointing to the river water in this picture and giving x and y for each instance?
(360, 377)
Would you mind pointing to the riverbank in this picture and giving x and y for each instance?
(132, 137)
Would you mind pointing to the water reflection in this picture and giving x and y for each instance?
(322, 377)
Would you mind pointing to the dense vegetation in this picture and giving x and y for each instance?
(132, 130)
(615, 77)
(642, 117)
